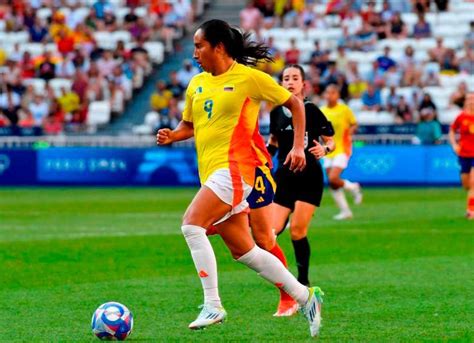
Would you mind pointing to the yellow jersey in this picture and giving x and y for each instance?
(342, 119)
(224, 112)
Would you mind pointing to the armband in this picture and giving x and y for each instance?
(272, 149)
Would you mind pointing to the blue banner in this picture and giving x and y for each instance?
(371, 164)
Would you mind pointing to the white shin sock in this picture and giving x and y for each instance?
(205, 262)
(340, 199)
(272, 270)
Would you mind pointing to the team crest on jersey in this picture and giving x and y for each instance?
(199, 90)
(287, 112)
(228, 88)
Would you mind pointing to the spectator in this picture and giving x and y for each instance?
(371, 99)
(250, 17)
(4, 121)
(160, 98)
(365, 39)
(427, 102)
(341, 60)
(79, 85)
(442, 5)
(140, 31)
(385, 62)
(26, 118)
(352, 23)
(449, 63)
(27, 66)
(436, 54)
(117, 99)
(69, 101)
(392, 99)
(10, 104)
(403, 111)
(174, 85)
(38, 32)
(410, 68)
(106, 64)
(470, 36)
(357, 86)
(466, 63)
(422, 28)
(459, 95)
(47, 68)
(379, 26)
(100, 7)
(267, 8)
(65, 42)
(330, 75)
(392, 77)
(122, 81)
(431, 79)
(428, 130)
(316, 54)
(387, 13)
(39, 109)
(97, 86)
(186, 73)
(397, 28)
(16, 54)
(292, 55)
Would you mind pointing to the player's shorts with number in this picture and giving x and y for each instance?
(263, 188)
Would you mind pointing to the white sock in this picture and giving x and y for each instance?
(340, 199)
(205, 262)
(271, 269)
(349, 186)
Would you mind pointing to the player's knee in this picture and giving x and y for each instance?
(266, 243)
(298, 232)
(334, 181)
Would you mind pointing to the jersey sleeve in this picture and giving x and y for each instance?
(456, 124)
(321, 125)
(264, 87)
(188, 102)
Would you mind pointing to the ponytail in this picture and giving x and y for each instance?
(238, 45)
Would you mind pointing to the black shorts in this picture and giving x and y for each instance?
(306, 186)
(263, 188)
(466, 164)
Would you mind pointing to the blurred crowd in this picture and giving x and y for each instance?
(374, 81)
(59, 66)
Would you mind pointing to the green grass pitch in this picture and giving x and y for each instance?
(401, 270)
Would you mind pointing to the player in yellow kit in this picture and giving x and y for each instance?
(345, 124)
(221, 112)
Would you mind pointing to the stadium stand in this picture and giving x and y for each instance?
(402, 50)
(89, 56)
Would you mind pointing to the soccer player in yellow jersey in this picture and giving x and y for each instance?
(345, 124)
(221, 112)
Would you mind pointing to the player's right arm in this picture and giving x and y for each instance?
(184, 130)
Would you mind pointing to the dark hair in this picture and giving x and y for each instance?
(238, 45)
(297, 66)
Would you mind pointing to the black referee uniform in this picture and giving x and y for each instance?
(306, 186)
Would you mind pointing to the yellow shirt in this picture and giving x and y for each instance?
(224, 112)
(69, 102)
(160, 101)
(342, 119)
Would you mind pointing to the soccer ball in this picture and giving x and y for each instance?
(112, 321)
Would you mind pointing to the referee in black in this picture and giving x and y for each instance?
(298, 194)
